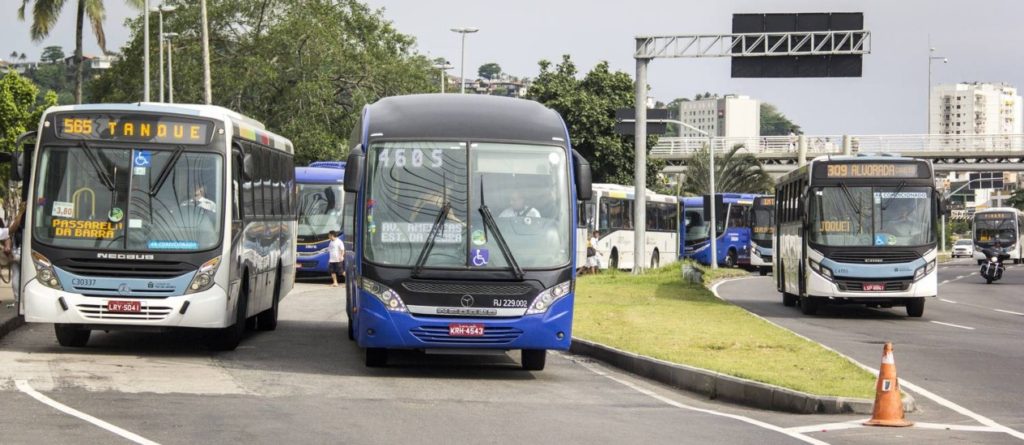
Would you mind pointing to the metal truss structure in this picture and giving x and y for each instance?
(800, 43)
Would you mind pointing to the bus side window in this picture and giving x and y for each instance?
(236, 183)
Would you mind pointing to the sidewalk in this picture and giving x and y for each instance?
(9, 319)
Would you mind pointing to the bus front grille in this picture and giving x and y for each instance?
(874, 256)
(100, 312)
(125, 269)
(492, 335)
(467, 288)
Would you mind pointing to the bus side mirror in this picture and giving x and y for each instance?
(17, 166)
(354, 171)
(584, 179)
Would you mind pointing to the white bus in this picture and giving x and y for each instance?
(155, 216)
(610, 211)
(998, 225)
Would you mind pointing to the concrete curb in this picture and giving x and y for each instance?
(731, 389)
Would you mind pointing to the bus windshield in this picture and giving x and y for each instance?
(872, 216)
(995, 227)
(763, 224)
(319, 210)
(695, 224)
(413, 185)
(128, 199)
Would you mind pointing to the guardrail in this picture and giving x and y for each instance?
(684, 147)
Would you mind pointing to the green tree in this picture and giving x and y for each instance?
(19, 111)
(1016, 199)
(305, 68)
(735, 172)
(588, 107)
(52, 54)
(44, 17)
(489, 71)
(774, 123)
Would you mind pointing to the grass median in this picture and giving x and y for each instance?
(659, 315)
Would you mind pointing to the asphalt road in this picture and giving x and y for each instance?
(968, 348)
(306, 383)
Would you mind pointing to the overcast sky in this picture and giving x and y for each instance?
(980, 38)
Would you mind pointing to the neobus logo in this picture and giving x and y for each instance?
(124, 256)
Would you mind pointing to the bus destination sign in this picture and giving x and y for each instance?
(870, 170)
(133, 128)
(993, 216)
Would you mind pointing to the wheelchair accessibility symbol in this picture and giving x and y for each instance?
(480, 257)
(142, 158)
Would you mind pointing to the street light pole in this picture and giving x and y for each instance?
(462, 63)
(931, 58)
(713, 236)
(170, 66)
(160, 10)
(145, 53)
(207, 84)
(444, 67)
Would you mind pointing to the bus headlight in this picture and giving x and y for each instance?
(821, 270)
(44, 272)
(548, 297)
(385, 294)
(924, 270)
(204, 277)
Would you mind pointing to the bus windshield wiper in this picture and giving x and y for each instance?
(446, 208)
(849, 196)
(897, 192)
(166, 171)
(104, 177)
(491, 224)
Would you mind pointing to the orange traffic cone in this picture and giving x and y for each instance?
(888, 409)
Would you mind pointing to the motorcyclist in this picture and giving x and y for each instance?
(995, 250)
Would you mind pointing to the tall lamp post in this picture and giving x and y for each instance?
(931, 58)
(160, 10)
(145, 52)
(444, 67)
(462, 63)
(207, 84)
(170, 65)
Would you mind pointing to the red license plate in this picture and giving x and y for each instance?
(874, 287)
(124, 306)
(465, 330)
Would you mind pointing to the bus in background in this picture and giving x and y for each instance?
(460, 215)
(154, 216)
(610, 211)
(1002, 225)
(733, 234)
(762, 231)
(857, 229)
(321, 199)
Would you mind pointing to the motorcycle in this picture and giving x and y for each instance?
(992, 269)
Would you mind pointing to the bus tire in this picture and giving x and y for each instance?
(376, 357)
(613, 260)
(267, 320)
(915, 307)
(655, 260)
(71, 336)
(764, 271)
(227, 339)
(808, 305)
(730, 258)
(534, 359)
(788, 299)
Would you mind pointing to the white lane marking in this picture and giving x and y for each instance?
(676, 404)
(953, 325)
(941, 426)
(947, 301)
(1008, 312)
(943, 282)
(905, 384)
(24, 387)
(827, 427)
(824, 427)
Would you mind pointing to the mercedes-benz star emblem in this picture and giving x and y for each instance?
(123, 289)
(467, 301)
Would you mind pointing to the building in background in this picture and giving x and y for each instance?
(974, 108)
(732, 116)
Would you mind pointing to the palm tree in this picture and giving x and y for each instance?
(14, 55)
(44, 17)
(736, 172)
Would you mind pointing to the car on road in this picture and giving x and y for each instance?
(963, 248)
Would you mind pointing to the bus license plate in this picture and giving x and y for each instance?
(874, 287)
(124, 306)
(465, 330)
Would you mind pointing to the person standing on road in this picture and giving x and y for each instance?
(336, 253)
(593, 260)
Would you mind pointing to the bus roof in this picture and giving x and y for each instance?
(628, 192)
(319, 175)
(998, 209)
(243, 126)
(463, 117)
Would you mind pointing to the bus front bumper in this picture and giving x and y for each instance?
(379, 328)
(207, 309)
(845, 289)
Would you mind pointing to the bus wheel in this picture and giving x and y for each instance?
(655, 260)
(534, 359)
(267, 320)
(764, 271)
(71, 336)
(808, 305)
(613, 262)
(730, 259)
(376, 357)
(227, 339)
(915, 307)
(788, 299)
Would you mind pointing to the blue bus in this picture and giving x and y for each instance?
(461, 211)
(320, 203)
(733, 233)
